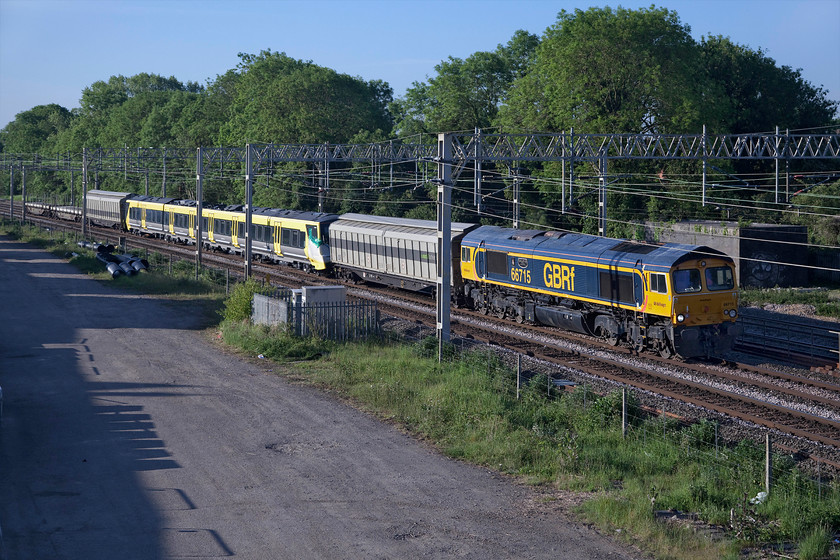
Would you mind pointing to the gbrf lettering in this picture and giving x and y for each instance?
(558, 276)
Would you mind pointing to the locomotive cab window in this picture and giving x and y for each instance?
(687, 281)
(719, 278)
(658, 283)
(465, 255)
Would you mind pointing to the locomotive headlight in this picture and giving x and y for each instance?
(732, 313)
(680, 318)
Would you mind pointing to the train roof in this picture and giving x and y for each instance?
(153, 199)
(588, 248)
(391, 224)
(296, 214)
(301, 215)
(108, 194)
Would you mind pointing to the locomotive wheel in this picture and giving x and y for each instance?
(609, 337)
(665, 350)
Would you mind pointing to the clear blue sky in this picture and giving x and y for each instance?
(50, 50)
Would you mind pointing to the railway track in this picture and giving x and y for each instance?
(803, 408)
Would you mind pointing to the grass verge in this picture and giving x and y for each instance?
(573, 441)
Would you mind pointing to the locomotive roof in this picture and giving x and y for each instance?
(588, 248)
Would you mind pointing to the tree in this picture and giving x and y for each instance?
(280, 99)
(465, 94)
(35, 130)
(606, 70)
(762, 95)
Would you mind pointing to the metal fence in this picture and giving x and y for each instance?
(340, 321)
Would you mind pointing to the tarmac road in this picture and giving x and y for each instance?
(127, 434)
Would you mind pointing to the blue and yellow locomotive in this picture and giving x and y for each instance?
(669, 298)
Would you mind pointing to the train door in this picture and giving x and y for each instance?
(639, 286)
(481, 262)
(277, 250)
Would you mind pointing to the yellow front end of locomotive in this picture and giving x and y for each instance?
(703, 292)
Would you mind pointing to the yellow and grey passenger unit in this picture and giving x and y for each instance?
(293, 237)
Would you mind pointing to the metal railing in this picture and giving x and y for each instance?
(339, 321)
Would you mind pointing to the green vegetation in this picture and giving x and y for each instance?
(237, 307)
(599, 70)
(572, 441)
(826, 302)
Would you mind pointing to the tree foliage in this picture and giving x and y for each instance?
(761, 94)
(280, 99)
(605, 70)
(36, 130)
(465, 94)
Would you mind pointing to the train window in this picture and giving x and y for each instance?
(240, 229)
(658, 283)
(465, 254)
(292, 238)
(686, 281)
(497, 263)
(312, 233)
(719, 278)
(617, 286)
(134, 213)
